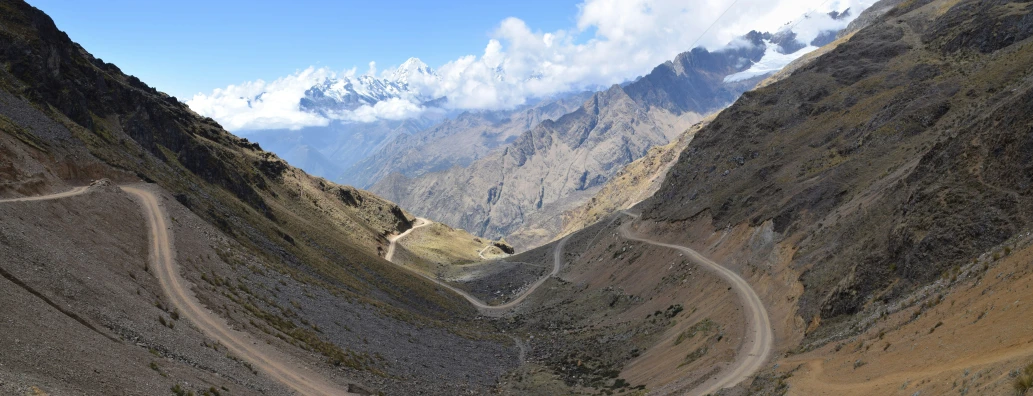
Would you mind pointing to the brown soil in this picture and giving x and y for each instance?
(271, 362)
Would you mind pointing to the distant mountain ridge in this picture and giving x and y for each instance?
(521, 190)
(350, 93)
(556, 165)
(457, 141)
(423, 133)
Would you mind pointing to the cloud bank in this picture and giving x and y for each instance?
(613, 41)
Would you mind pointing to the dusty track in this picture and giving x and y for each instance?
(756, 349)
(70, 193)
(476, 302)
(240, 344)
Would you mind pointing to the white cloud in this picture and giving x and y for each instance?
(612, 41)
(391, 109)
(261, 105)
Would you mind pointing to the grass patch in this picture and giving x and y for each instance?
(1024, 381)
(21, 134)
(704, 326)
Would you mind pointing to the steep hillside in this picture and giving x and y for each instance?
(455, 141)
(291, 260)
(642, 178)
(877, 202)
(556, 165)
(891, 160)
(638, 181)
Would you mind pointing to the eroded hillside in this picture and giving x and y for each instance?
(293, 260)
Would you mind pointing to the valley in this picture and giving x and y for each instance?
(857, 223)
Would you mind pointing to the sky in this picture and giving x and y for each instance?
(185, 47)
(248, 63)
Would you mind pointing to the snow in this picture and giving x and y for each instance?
(771, 62)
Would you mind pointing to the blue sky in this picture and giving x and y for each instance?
(188, 46)
(248, 63)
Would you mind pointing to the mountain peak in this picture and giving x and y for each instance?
(410, 69)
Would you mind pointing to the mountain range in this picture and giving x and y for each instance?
(860, 223)
(519, 191)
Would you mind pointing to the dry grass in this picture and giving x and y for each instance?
(1024, 381)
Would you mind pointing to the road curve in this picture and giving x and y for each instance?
(176, 289)
(756, 350)
(240, 344)
(476, 302)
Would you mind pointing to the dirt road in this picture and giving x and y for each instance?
(241, 345)
(476, 302)
(273, 363)
(757, 348)
(70, 193)
(420, 222)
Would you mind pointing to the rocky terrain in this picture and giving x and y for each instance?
(455, 141)
(875, 199)
(859, 226)
(558, 163)
(633, 184)
(521, 190)
(882, 170)
(291, 259)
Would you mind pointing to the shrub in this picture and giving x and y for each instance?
(704, 326)
(1024, 381)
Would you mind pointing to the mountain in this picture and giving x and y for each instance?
(352, 131)
(366, 111)
(260, 259)
(338, 94)
(559, 164)
(457, 141)
(635, 183)
(881, 187)
(640, 179)
(328, 151)
(862, 225)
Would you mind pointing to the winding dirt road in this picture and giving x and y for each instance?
(242, 345)
(476, 302)
(754, 354)
(271, 362)
(756, 350)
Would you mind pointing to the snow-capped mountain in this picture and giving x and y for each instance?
(346, 93)
(784, 46)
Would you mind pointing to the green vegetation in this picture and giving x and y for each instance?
(21, 134)
(179, 391)
(704, 326)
